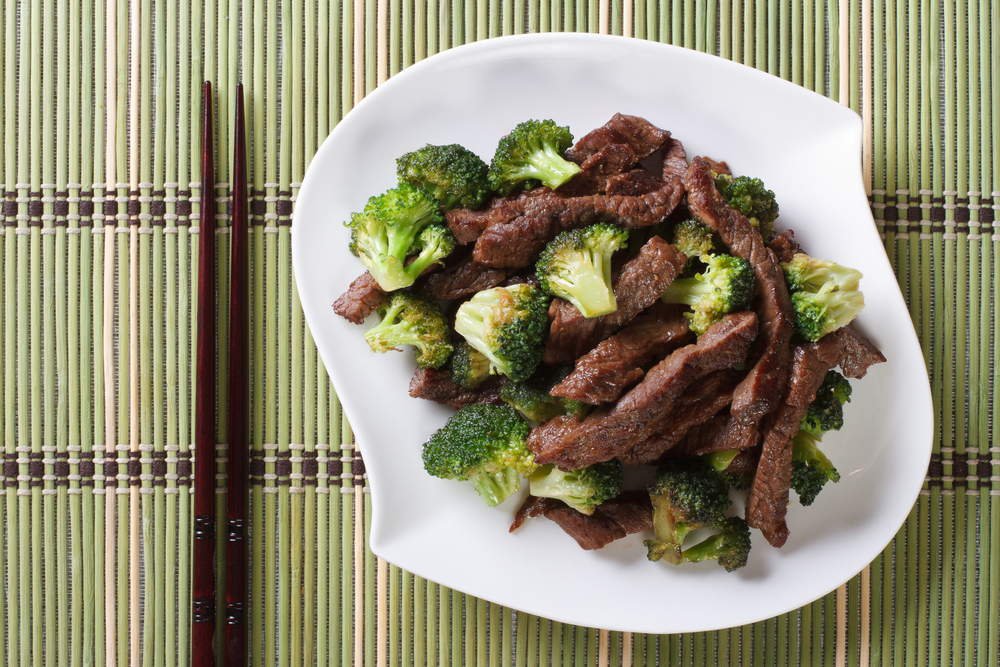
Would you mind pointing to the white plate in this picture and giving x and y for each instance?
(804, 146)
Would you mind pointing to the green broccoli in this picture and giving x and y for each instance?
(453, 174)
(576, 266)
(825, 295)
(811, 469)
(534, 151)
(687, 494)
(693, 239)
(750, 197)
(725, 286)
(532, 399)
(826, 412)
(730, 548)
(721, 460)
(508, 325)
(389, 230)
(469, 366)
(484, 444)
(412, 319)
(583, 489)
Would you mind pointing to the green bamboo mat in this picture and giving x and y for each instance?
(99, 147)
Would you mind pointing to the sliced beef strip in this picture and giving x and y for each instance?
(719, 434)
(675, 164)
(602, 374)
(517, 241)
(530, 508)
(637, 133)
(360, 300)
(466, 225)
(760, 392)
(461, 280)
(718, 166)
(745, 461)
(769, 493)
(641, 282)
(859, 353)
(633, 183)
(631, 512)
(784, 246)
(607, 163)
(438, 386)
(699, 403)
(608, 433)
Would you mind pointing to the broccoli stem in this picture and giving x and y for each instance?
(547, 166)
(688, 291)
(496, 487)
(594, 298)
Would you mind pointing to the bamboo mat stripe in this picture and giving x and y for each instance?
(100, 199)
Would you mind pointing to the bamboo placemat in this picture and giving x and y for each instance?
(100, 133)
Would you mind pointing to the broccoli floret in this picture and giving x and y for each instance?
(825, 295)
(738, 481)
(826, 412)
(385, 233)
(687, 494)
(508, 325)
(583, 490)
(576, 266)
(532, 399)
(811, 469)
(750, 197)
(453, 174)
(412, 319)
(725, 286)
(693, 239)
(730, 548)
(484, 444)
(469, 366)
(533, 151)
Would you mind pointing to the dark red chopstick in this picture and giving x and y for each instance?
(237, 508)
(203, 575)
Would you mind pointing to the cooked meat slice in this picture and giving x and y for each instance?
(608, 433)
(461, 280)
(611, 161)
(633, 183)
(641, 282)
(437, 386)
(859, 353)
(360, 300)
(526, 277)
(784, 245)
(639, 134)
(760, 392)
(675, 164)
(603, 373)
(717, 166)
(699, 403)
(719, 434)
(530, 508)
(515, 241)
(466, 225)
(631, 512)
(745, 461)
(810, 363)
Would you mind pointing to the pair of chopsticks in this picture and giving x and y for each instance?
(237, 509)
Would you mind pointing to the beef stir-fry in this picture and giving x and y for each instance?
(608, 303)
